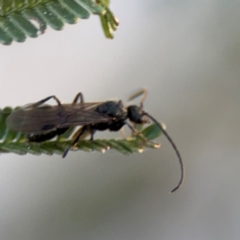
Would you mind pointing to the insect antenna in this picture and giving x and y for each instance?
(141, 92)
(174, 147)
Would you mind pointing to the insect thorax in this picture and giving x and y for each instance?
(116, 111)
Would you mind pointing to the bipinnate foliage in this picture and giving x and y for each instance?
(20, 19)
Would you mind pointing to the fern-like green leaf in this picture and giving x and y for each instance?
(108, 20)
(14, 142)
(20, 19)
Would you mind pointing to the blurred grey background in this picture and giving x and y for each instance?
(187, 53)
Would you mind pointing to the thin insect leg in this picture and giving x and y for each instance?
(78, 96)
(75, 100)
(92, 132)
(133, 129)
(46, 136)
(174, 147)
(45, 100)
(78, 134)
(142, 92)
(82, 132)
(136, 132)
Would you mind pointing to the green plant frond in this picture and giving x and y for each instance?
(108, 20)
(15, 142)
(20, 19)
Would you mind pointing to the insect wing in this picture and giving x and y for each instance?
(83, 114)
(41, 119)
(33, 120)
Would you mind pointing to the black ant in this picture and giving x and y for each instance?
(43, 122)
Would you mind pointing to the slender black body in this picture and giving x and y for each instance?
(43, 122)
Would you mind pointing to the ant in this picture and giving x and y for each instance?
(44, 122)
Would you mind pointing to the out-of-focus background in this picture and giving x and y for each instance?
(187, 54)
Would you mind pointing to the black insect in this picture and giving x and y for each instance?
(44, 122)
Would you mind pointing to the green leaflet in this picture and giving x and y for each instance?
(20, 19)
(108, 20)
(14, 142)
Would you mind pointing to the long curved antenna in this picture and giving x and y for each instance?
(174, 147)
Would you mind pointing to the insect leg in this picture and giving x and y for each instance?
(142, 92)
(133, 129)
(92, 132)
(136, 132)
(45, 100)
(78, 96)
(77, 135)
(58, 131)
